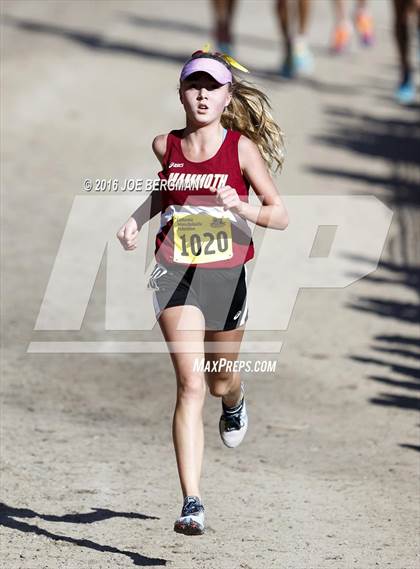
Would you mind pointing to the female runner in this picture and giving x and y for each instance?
(230, 142)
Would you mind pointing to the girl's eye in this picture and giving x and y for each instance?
(209, 87)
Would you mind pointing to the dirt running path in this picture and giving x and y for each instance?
(327, 476)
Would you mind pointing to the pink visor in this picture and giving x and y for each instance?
(215, 68)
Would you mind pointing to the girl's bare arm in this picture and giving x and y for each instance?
(273, 212)
(127, 234)
(152, 205)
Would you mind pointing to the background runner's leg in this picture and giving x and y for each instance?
(401, 31)
(303, 12)
(223, 14)
(187, 426)
(282, 12)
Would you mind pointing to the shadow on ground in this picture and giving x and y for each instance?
(8, 515)
(395, 141)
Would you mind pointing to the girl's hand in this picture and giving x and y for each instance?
(128, 234)
(228, 198)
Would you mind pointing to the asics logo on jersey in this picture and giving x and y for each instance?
(176, 165)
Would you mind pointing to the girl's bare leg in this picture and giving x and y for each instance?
(342, 29)
(339, 11)
(401, 31)
(223, 13)
(225, 384)
(187, 426)
(282, 12)
(303, 11)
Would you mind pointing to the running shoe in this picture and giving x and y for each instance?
(191, 520)
(364, 26)
(303, 61)
(233, 422)
(287, 69)
(225, 47)
(341, 38)
(406, 93)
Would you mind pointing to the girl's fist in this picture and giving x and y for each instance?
(228, 198)
(128, 235)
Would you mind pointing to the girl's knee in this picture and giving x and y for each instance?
(191, 387)
(220, 383)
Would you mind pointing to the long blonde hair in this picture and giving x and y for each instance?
(249, 112)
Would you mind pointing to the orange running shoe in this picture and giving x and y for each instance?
(341, 38)
(364, 26)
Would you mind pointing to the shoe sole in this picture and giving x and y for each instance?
(191, 528)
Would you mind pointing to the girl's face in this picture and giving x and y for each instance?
(204, 99)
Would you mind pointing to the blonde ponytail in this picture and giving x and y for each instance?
(249, 113)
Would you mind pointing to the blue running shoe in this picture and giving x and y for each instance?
(303, 61)
(225, 47)
(406, 93)
(287, 69)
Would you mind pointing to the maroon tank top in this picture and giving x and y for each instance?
(194, 229)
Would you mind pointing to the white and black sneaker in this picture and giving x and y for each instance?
(233, 422)
(191, 520)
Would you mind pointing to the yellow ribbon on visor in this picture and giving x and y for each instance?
(228, 58)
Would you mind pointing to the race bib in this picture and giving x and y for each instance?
(201, 238)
